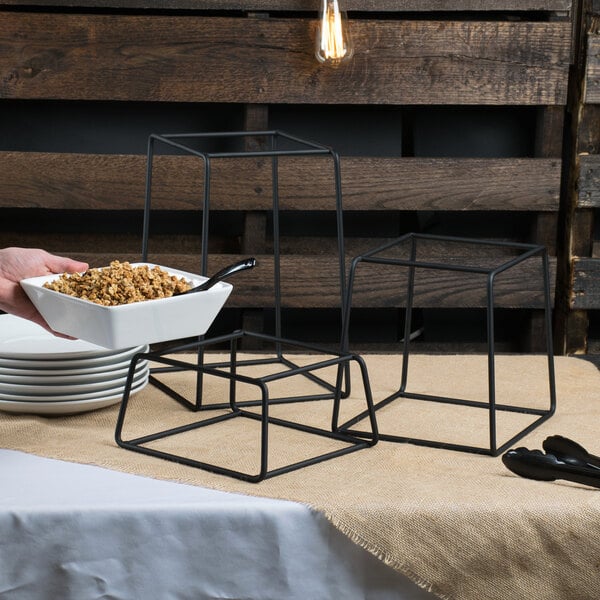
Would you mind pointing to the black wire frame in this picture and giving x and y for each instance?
(272, 150)
(348, 442)
(525, 252)
(228, 369)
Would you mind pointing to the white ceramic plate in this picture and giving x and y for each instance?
(20, 338)
(53, 388)
(65, 408)
(83, 394)
(71, 363)
(67, 376)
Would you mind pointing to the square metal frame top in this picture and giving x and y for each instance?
(272, 144)
(270, 147)
(413, 262)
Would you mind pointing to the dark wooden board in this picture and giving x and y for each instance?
(592, 74)
(310, 281)
(117, 182)
(589, 180)
(310, 5)
(240, 60)
(586, 283)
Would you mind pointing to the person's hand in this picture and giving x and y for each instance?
(19, 263)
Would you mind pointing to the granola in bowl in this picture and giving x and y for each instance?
(119, 283)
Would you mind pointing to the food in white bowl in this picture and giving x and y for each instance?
(131, 322)
(120, 283)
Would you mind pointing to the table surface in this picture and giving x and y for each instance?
(75, 531)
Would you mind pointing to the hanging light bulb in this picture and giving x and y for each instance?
(333, 40)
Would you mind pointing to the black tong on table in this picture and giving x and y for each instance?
(562, 459)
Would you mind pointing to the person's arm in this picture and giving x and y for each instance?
(19, 263)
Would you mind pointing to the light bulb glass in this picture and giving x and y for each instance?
(334, 45)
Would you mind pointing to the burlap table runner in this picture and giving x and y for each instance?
(459, 524)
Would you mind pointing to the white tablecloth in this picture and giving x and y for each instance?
(78, 532)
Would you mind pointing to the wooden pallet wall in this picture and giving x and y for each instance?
(580, 268)
(250, 58)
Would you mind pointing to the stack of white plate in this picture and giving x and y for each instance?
(44, 374)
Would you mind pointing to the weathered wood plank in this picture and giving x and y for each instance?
(589, 138)
(381, 286)
(309, 5)
(582, 229)
(310, 282)
(585, 292)
(577, 224)
(309, 268)
(548, 143)
(577, 342)
(592, 71)
(589, 181)
(549, 131)
(221, 59)
(117, 182)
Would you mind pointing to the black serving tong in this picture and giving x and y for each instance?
(563, 459)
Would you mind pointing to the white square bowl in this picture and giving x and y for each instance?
(128, 325)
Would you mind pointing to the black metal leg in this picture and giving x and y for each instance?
(491, 343)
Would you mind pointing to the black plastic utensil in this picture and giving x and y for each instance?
(570, 462)
(566, 450)
(242, 265)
